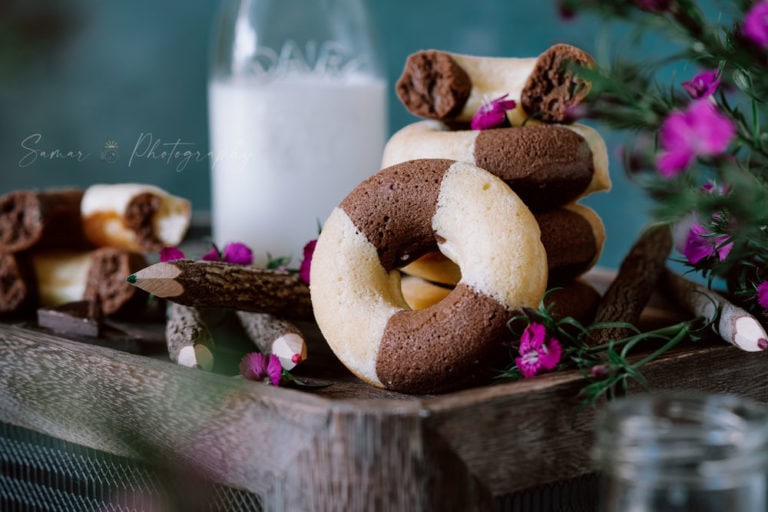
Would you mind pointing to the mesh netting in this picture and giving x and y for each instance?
(40, 473)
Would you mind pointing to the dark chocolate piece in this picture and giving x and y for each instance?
(81, 318)
(107, 280)
(433, 85)
(394, 209)
(42, 220)
(554, 87)
(546, 166)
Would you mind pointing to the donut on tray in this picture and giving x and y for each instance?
(398, 215)
(546, 165)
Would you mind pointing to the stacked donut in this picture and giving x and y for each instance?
(480, 222)
(66, 245)
(549, 164)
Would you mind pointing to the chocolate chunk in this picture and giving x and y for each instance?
(41, 220)
(433, 85)
(570, 243)
(554, 88)
(81, 318)
(107, 284)
(394, 209)
(551, 165)
(17, 283)
(424, 351)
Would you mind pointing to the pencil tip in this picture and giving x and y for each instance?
(131, 278)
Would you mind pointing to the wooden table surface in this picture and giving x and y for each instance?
(348, 446)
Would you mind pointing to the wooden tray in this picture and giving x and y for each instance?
(346, 447)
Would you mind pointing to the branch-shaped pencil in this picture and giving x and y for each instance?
(273, 335)
(188, 338)
(735, 325)
(637, 278)
(214, 284)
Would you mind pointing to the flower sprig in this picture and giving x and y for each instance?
(708, 127)
(608, 368)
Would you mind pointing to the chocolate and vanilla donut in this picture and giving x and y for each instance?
(395, 216)
(546, 165)
(134, 216)
(452, 87)
(573, 238)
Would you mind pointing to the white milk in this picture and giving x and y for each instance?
(286, 152)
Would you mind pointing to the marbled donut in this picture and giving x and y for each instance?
(452, 87)
(546, 165)
(573, 237)
(395, 216)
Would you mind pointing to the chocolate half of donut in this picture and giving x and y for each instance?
(433, 85)
(41, 220)
(394, 210)
(106, 282)
(545, 165)
(554, 87)
(17, 283)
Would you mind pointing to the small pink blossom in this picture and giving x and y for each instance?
(538, 353)
(756, 24)
(702, 85)
(306, 263)
(492, 114)
(237, 253)
(762, 294)
(170, 254)
(213, 254)
(701, 243)
(261, 367)
(700, 130)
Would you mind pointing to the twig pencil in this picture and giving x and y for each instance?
(637, 278)
(214, 284)
(735, 325)
(275, 336)
(189, 340)
(17, 283)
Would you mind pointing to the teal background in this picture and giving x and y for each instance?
(118, 70)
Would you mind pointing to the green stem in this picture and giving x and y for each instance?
(664, 348)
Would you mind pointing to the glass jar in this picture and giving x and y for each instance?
(297, 109)
(683, 452)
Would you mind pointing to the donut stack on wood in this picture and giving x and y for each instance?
(549, 163)
(65, 245)
(479, 222)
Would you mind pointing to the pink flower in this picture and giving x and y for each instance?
(171, 253)
(306, 263)
(213, 254)
(492, 114)
(261, 367)
(701, 243)
(237, 253)
(698, 131)
(756, 24)
(702, 85)
(537, 352)
(762, 294)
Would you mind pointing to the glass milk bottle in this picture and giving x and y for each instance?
(683, 452)
(297, 108)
